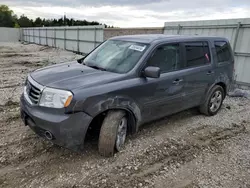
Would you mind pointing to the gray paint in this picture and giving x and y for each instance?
(67, 136)
(72, 76)
(96, 91)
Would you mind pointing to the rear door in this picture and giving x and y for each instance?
(198, 71)
(224, 61)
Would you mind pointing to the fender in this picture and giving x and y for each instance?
(94, 106)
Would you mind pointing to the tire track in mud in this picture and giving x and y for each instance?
(158, 158)
(11, 86)
(28, 150)
(8, 106)
(33, 64)
(42, 163)
(22, 150)
(138, 169)
(24, 146)
(141, 167)
(15, 55)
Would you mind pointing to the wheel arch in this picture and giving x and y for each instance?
(220, 83)
(131, 117)
(224, 86)
(97, 120)
(102, 105)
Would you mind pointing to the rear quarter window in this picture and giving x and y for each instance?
(223, 51)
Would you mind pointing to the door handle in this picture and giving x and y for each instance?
(210, 72)
(177, 81)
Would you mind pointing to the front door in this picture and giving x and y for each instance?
(163, 95)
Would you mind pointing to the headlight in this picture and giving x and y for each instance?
(55, 98)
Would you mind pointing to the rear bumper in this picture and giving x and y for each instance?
(68, 130)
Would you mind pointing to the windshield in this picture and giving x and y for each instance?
(116, 56)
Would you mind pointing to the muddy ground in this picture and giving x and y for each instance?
(184, 150)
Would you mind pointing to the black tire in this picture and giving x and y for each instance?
(108, 133)
(205, 107)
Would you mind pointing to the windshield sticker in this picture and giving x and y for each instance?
(137, 48)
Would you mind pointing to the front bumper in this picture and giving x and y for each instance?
(68, 130)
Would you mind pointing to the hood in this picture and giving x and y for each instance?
(72, 75)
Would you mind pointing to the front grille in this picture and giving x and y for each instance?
(33, 93)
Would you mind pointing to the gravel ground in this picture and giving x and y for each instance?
(184, 150)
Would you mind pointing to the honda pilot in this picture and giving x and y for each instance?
(122, 84)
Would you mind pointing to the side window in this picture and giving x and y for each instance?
(167, 57)
(197, 54)
(223, 51)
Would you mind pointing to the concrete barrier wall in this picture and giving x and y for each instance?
(77, 39)
(112, 32)
(9, 34)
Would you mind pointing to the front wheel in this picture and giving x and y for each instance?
(213, 102)
(113, 133)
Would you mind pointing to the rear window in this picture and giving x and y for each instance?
(223, 51)
(197, 54)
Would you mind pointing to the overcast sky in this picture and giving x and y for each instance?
(132, 13)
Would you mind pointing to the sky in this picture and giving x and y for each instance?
(132, 13)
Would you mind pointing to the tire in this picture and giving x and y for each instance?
(207, 107)
(109, 133)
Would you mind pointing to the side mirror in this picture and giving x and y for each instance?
(152, 72)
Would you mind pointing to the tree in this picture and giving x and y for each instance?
(71, 22)
(38, 22)
(9, 19)
(6, 17)
(60, 22)
(16, 25)
(24, 21)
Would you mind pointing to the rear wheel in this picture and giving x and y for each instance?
(113, 133)
(213, 102)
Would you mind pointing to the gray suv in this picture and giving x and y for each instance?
(123, 83)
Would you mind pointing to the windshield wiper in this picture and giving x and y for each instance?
(96, 67)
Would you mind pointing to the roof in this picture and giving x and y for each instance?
(149, 38)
